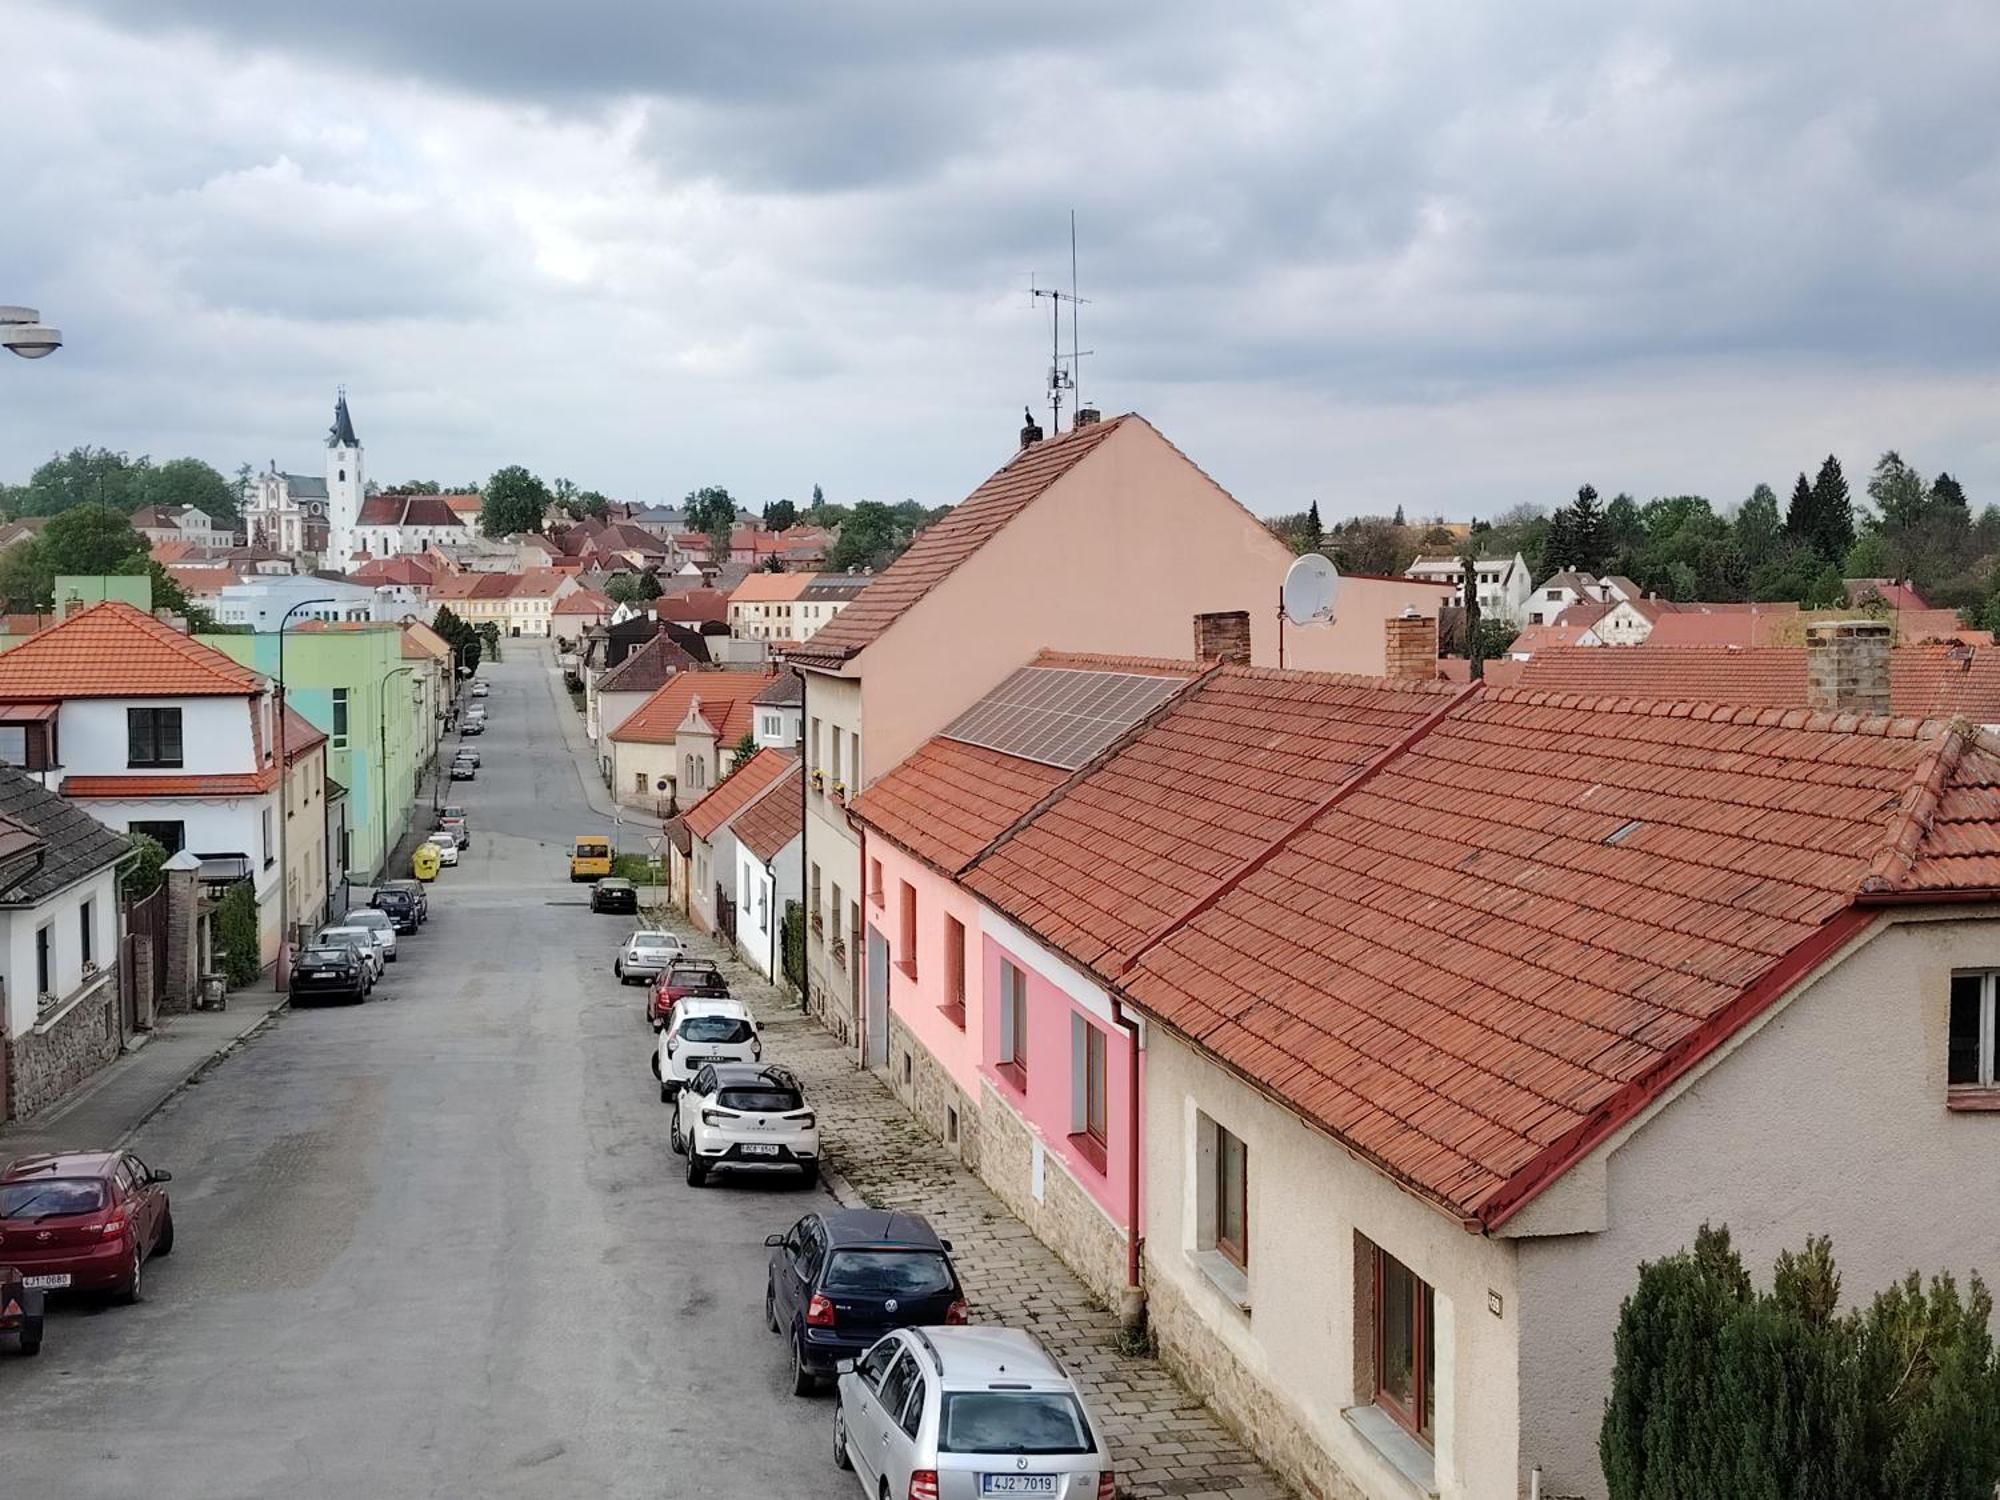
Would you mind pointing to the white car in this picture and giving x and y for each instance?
(340, 935)
(479, 690)
(446, 844)
(646, 956)
(750, 1115)
(701, 1030)
(379, 926)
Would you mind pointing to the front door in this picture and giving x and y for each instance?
(878, 1001)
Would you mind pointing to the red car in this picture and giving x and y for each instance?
(685, 977)
(84, 1221)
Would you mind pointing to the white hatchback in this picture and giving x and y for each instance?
(745, 1115)
(704, 1029)
(446, 844)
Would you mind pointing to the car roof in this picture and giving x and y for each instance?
(712, 1005)
(739, 1074)
(340, 927)
(982, 1355)
(60, 1164)
(651, 934)
(879, 1226)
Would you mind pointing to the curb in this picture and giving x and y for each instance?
(202, 1068)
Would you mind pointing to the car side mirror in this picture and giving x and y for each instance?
(947, 1246)
(843, 1367)
(773, 1241)
(162, 1175)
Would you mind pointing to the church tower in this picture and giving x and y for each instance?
(345, 486)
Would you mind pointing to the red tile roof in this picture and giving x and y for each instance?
(113, 650)
(585, 602)
(948, 801)
(941, 547)
(120, 787)
(724, 699)
(409, 510)
(703, 606)
(773, 820)
(405, 569)
(1488, 953)
(735, 791)
(1716, 624)
(771, 588)
(301, 735)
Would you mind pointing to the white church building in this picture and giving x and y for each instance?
(298, 514)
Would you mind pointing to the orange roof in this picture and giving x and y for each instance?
(774, 819)
(122, 787)
(736, 790)
(585, 602)
(770, 588)
(1717, 624)
(940, 548)
(1487, 954)
(949, 800)
(723, 697)
(199, 579)
(301, 735)
(112, 650)
(402, 568)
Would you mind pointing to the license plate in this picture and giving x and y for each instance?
(313, 973)
(760, 1150)
(1017, 1484)
(45, 1283)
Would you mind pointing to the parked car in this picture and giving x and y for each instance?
(747, 1115)
(841, 1278)
(479, 690)
(335, 973)
(360, 939)
(647, 955)
(380, 926)
(467, 752)
(84, 1221)
(21, 1310)
(416, 890)
(464, 770)
(703, 1029)
(961, 1413)
(400, 907)
(470, 727)
(687, 976)
(454, 818)
(446, 844)
(614, 895)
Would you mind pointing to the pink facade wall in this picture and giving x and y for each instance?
(918, 1003)
(1051, 1102)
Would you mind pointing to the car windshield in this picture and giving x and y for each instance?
(1012, 1422)
(343, 937)
(369, 919)
(766, 1101)
(694, 977)
(715, 1029)
(393, 898)
(654, 942)
(614, 885)
(51, 1196)
(887, 1273)
(324, 956)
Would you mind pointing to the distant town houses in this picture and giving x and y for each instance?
(1503, 585)
(789, 607)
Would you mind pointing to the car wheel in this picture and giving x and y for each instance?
(31, 1337)
(771, 1306)
(666, 1094)
(656, 1074)
(134, 1289)
(166, 1244)
(804, 1382)
(697, 1174)
(840, 1458)
(809, 1176)
(674, 1137)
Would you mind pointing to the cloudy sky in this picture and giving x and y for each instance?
(1451, 254)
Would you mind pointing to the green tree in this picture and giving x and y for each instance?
(416, 487)
(1395, 520)
(1371, 544)
(1867, 558)
(1623, 530)
(780, 515)
(869, 538)
(590, 503)
(81, 476)
(187, 481)
(710, 509)
(1758, 526)
(823, 513)
(1832, 512)
(460, 636)
(515, 502)
(143, 875)
(91, 539)
(1316, 533)
(1898, 492)
(237, 942)
(1587, 529)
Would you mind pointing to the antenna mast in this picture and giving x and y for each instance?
(1061, 379)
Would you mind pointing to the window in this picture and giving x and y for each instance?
(875, 893)
(44, 960)
(264, 819)
(815, 745)
(1405, 1366)
(833, 770)
(812, 909)
(153, 737)
(171, 836)
(954, 970)
(1096, 1079)
(340, 718)
(1973, 1055)
(908, 946)
(1232, 1198)
(835, 905)
(639, 782)
(86, 920)
(1014, 1022)
(773, 726)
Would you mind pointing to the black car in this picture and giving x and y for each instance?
(415, 888)
(614, 895)
(20, 1310)
(400, 907)
(331, 973)
(840, 1280)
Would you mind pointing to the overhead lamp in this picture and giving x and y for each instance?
(22, 331)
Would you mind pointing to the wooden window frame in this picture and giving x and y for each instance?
(1420, 1421)
(1236, 1251)
(1013, 1060)
(954, 971)
(906, 926)
(1097, 1085)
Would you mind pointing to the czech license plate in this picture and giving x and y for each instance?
(1017, 1484)
(45, 1283)
(314, 973)
(768, 1151)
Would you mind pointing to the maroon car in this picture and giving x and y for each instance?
(683, 978)
(84, 1221)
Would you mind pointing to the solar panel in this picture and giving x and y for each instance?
(1060, 716)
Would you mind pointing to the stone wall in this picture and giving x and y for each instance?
(1065, 1218)
(1250, 1409)
(52, 1058)
(929, 1093)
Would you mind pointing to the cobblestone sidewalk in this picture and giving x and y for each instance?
(1167, 1442)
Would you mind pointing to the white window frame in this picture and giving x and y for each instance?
(1987, 1063)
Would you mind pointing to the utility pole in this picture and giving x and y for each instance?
(285, 807)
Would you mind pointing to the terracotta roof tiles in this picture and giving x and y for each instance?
(723, 697)
(114, 650)
(771, 821)
(736, 790)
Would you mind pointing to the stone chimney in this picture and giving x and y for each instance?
(1223, 636)
(1847, 666)
(1085, 415)
(1412, 646)
(1031, 430)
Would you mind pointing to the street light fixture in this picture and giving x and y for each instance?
(22, 330)
(285, 804)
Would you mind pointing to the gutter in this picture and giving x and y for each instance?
(1132, 1307)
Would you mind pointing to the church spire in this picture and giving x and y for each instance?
(341, 435)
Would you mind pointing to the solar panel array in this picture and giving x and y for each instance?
(1061, 716)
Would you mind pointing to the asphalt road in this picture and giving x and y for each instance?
(436, 1245)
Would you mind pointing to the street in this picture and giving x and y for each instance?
(437, 1245)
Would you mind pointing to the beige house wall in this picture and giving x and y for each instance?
(835, 847)
(305, 835)
(1284, 1373)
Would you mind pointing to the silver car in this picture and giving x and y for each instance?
(380, 927)
(964, 1414)
(645, 956)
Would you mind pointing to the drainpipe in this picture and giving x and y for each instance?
(1132, 1305)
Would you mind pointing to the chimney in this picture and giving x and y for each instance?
(1085, 415)
(1031, 430)
(1847, 666)
(1223, 636)
(1412, 646)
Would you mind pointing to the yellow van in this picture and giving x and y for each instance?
(424, 862)
(590, 857)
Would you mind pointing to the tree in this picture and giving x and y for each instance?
(870, 538)
(1898, 491)
(416, 487)
(1758, 527)
(515, 502)
(1946, 491)
(710, 509)
(741, 751)
(1832, 512)
(1799, 521)
(1720, 1391)
(823, 513)
(622, 588)
(81, 475)
(1395, 520)
(1587, 529)
(236, 941)
(1371, 544)
(590, 503)
(187, 481)
(1622, 530)
(143, 875)
(780, 515)
(460, 636)
(772, 564)
(1316, 534)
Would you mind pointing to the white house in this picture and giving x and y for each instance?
(400, 525)
(299, 514)
(714, 864)
(1561, 590)
(1504, 585)
(262, 603)
(779, 709)
(767, 831)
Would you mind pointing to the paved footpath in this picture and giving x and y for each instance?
(1167, 1442)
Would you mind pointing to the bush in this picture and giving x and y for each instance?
(143, 875)
(792, 945)
(237, 944)
(637, 868)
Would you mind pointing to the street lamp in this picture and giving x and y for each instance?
(382, 751)
(22, 330)
(285, 804)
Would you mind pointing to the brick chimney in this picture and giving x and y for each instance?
(1085, 415)
(1223, 636)
(1847, 665)
(1412, 646)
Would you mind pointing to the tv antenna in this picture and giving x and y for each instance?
(1062, 379)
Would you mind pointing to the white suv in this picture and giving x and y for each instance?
(745, 1115)
(704, 1029)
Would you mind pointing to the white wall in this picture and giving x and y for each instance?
(757, 911)
(215, 736)
(214, 825)
(17, 944)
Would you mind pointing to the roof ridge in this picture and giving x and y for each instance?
(1845, 721)
(1326, 804)
(1340, 679)
(1917, 809)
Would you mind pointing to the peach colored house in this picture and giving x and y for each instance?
(1106, 538)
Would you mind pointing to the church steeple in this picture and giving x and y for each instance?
(341, 435)
(346, 486)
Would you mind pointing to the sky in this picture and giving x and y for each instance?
(1451, 255)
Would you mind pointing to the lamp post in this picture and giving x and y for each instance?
(285, 805)
(23, 332)
(382, 743)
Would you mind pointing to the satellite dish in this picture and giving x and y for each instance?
(1311, 591)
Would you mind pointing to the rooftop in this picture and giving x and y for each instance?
(113, 650)
(770, 588)
(648, 668)
(774, 819)
(724, 699)
(737, 790)
(76, 843)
